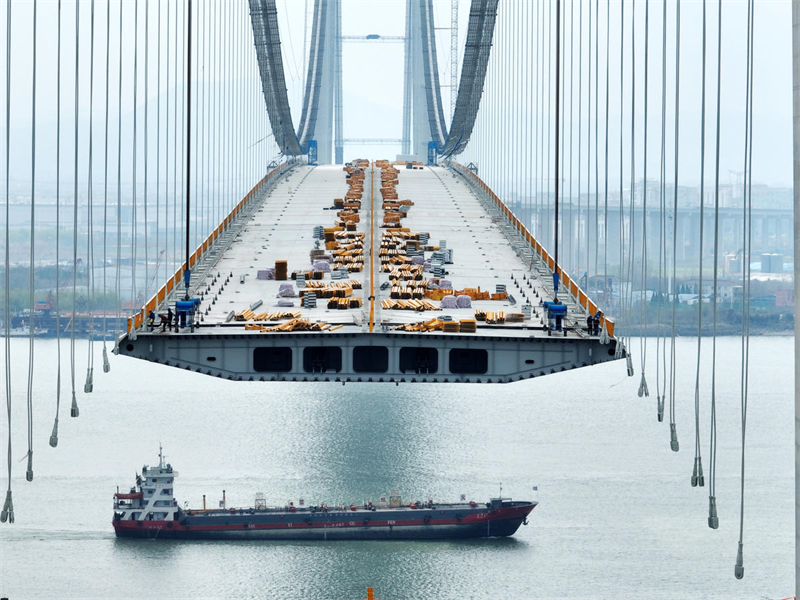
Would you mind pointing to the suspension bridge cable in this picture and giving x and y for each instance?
(146, 136)
(643, 390)
(549, 112)
(158, 150)
(8, 506)
(74, 412)
(697, 473)
(117, 274)
(175, 155)
(661, 339)
(135, 131)
(748, 216)
(589, 150)
(31, 269)
(580, 119)
(527, 109)
(604, 336)
(89, 385)
(674, 445)
(202, 98)
(556, 276)
(106, 365)
(620, 350)
(571, 127)
(537, 118)
(530, 119)
(54, 434)
(596, 144)
(188, 137)
(167, 257)
(713, 520)
(213, 142)
(632, 217)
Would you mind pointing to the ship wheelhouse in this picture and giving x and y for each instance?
(152, 498)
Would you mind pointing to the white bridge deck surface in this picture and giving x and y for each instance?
(444, 206)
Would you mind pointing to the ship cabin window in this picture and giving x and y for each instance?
(370, 359)
(162, 503)
(272, 360)
(166, 491)
(321, 359)
(135, 516)
(419, 360)
(469, 361)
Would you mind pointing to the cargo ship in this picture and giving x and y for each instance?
(149, 510)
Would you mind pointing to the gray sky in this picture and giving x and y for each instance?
(373, 73)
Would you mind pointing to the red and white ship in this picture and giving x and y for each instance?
(149, 510)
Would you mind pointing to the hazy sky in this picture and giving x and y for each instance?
(373, 72)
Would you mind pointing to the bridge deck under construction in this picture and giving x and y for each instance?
(417, 275)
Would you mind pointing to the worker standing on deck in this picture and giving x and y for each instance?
(151, 319)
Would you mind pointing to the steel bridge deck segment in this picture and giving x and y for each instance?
(279, 227)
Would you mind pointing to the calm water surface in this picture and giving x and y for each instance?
(618, 518)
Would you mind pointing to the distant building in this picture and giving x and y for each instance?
(784, 298)
(725, 288)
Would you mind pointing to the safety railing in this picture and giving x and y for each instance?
(580, 296)
(137, 320)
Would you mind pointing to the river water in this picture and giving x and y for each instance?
(617, 517)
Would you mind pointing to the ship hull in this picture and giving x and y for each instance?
(500, 523)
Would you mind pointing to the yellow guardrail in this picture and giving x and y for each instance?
(137, 320)
(580, 296)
